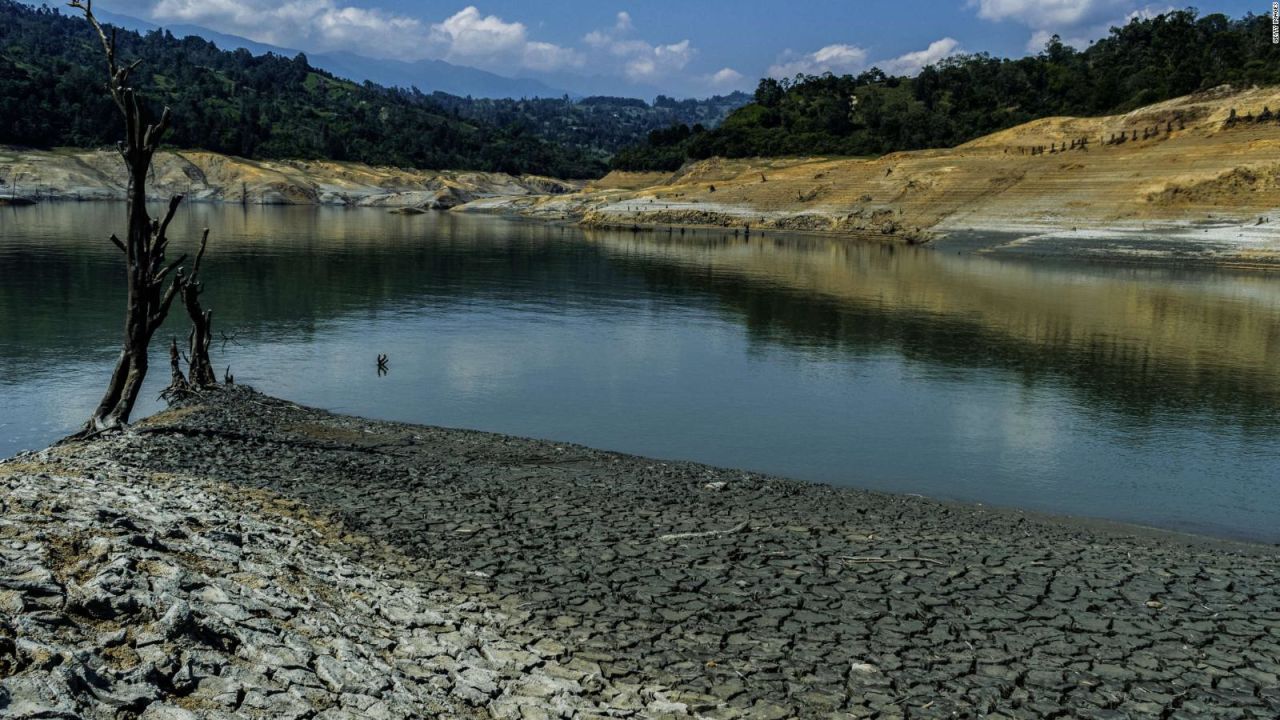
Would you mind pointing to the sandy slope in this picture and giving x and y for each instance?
(1206, 182)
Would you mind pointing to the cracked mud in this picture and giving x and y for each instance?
(593, 584)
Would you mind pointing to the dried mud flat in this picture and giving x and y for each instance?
(242, 556)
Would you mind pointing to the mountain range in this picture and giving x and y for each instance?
(426, 75)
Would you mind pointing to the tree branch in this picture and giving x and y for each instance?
(168, 216)
(108, 46)
(160, 276)
(195, 268)
(162, 311)
(155, 133)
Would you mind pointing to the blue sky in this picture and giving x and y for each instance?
(678, 47)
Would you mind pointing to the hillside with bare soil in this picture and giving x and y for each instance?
(1185, 174)
(1189, 182)
(205, 176)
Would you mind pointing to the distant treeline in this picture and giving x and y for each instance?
(968, 96)
(51, 94)
(601, 125)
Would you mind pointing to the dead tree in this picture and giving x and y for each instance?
(177, 381)
(199, 367)
(145, 244)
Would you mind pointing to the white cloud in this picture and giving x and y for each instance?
(469, 36)
(319, 24)
(546, 57)
(1076, 22)
(838, 59)
(640, 61)
(1047, 13)
(913, 62)
(659, 62)
(725, 79)
(1040, 38)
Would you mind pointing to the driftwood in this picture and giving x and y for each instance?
(710, 533)
(868, 560)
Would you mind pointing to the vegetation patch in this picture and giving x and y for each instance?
(965, 97)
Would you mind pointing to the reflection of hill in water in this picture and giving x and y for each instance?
(1133, 340)
(1137, 341)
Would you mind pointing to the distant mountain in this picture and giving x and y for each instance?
(426, 75)
(264, 101)
(433, 76)
(238, 103)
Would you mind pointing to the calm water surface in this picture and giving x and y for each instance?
(1147, 395)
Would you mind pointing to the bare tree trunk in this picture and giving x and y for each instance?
(177, 381)
(148, 305)
(144, 248)
(200, 370)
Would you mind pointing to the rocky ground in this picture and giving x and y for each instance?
(244, 556)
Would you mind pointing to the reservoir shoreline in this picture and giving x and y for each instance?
(483, 575)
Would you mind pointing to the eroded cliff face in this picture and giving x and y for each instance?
(206, 176)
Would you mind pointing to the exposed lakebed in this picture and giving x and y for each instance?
(241, 556)
(1140, 394)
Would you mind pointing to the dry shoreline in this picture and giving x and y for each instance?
(71, 174)
(1197, 189)
(491, 576)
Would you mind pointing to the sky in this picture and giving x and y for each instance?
(683, 48)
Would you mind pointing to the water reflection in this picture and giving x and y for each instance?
(1133, 340)
(1140, 394)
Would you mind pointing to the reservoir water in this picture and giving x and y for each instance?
(1142, 394)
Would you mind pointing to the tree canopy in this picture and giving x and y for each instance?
(264, 106)
(968, 96)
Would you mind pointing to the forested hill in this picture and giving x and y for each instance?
(52, 94)
(601, 124)
(965, 97)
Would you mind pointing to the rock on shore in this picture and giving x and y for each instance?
(242, 556)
